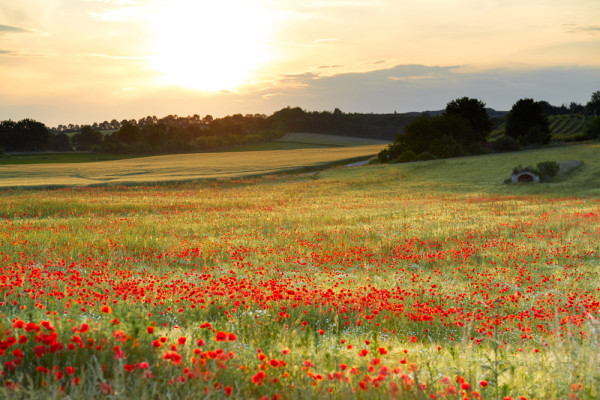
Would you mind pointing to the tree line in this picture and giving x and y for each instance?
(460, 129)
(170, 134)
(464, 125)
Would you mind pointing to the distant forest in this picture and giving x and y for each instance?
(176, 134)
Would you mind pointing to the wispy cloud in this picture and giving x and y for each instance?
(117, 10)
(113, 57)
(13, 29)
(114, 2)
(120, 15)
(574, 28)
(326, 40)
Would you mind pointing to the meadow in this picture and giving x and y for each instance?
(419, 280)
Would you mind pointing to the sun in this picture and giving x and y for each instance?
(210, 45)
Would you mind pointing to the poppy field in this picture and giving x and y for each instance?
(347, 283)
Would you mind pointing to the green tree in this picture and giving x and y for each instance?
(60, 142)
(87, 138)
(443, 136)
(128, 133)
(32, 135)
(527, 123)
(592, 131)
(593, 106)
(474, 111)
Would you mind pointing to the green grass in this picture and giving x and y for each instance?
(485, 174)
(61, 158)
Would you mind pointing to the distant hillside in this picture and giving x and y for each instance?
(372, 126)
(562, 127)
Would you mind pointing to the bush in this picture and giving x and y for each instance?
(391, 153)
(383, 156)
(548, 169)
(425, 156)
(592, 131)
(505, 144)
(536, 135)
(407, 156)
(446, 147)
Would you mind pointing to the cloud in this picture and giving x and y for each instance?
(574, 28)
(326, 40)
(416, 87)
(117, 10)
(12, 29)
(7, 53)
(112, 57)
(122, 15)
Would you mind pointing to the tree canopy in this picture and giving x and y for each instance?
(474, 111)
(457, 132)
(25, 135)
(527, 123)
(593, 106)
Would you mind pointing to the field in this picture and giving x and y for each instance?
(418, 280)
(296, 140)
(562, 127)
(61, 158)
(178, 167)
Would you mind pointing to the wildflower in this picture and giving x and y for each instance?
(258, 378)
(105, 388)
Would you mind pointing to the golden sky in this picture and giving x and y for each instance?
(82, 61)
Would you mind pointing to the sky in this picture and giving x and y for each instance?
(84, 61)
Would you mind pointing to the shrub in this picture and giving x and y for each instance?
(391, 153)
(592, 131)
(446, 147)
(505, 144)
(548, 169)
(425, 156)
(407, 156)
(383, 156)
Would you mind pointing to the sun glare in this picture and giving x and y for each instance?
(210, 45)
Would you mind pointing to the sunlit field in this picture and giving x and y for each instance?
(421, 280)
(178, 167)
